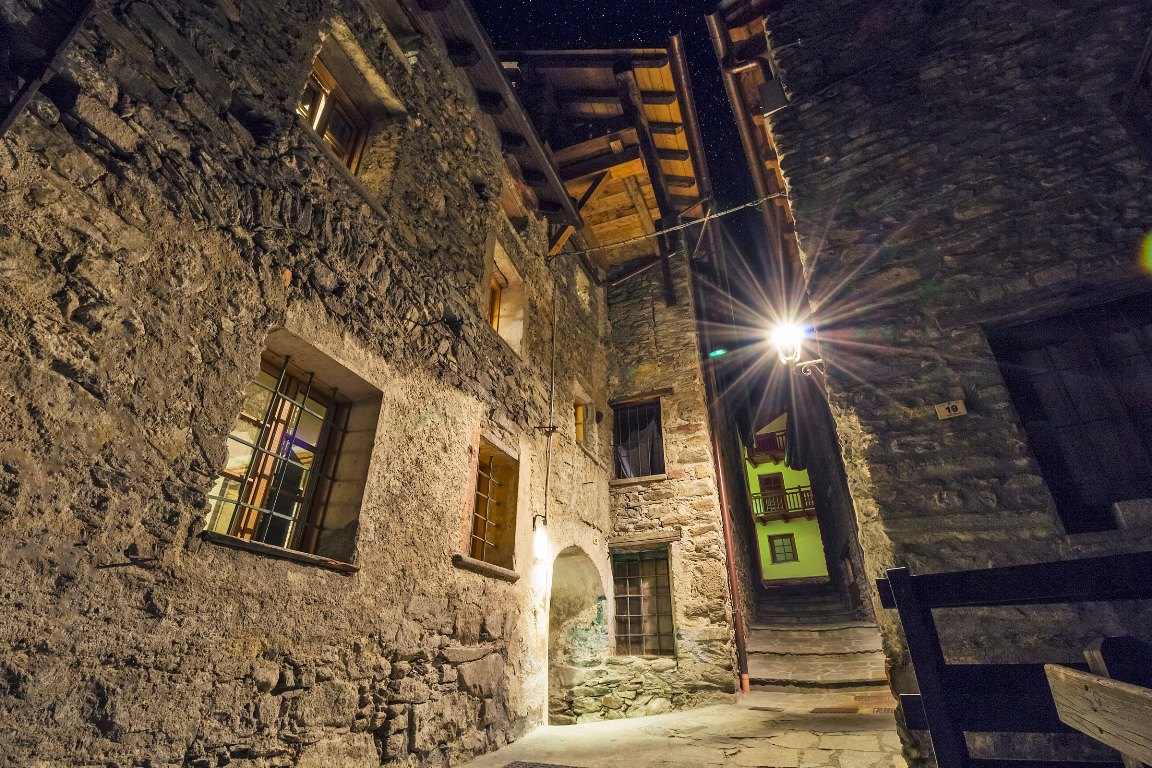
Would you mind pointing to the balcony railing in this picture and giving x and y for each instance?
(784, 505)
(770, 442)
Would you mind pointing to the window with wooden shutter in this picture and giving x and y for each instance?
(1082, 385)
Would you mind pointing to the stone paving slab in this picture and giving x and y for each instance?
(814, 641)
(762, 730)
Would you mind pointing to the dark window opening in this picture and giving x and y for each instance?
(783, 548)
(638, 440)
(1082, 385)
(643, 603)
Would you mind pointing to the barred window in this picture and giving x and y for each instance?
(493, 533)
(1082, 386)
(638, 439)
(643, 603)
(783, 548)
(283, 483)
(580, 422)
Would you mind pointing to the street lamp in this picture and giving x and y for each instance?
(788, 339)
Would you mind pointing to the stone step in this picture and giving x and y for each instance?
(817, 670)
(833, 620)
(807, 641)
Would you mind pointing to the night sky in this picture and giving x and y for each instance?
(530, 24)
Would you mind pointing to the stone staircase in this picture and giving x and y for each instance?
(806, 639)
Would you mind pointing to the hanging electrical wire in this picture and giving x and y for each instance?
(678, 227)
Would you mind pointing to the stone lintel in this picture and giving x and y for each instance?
(644, 540)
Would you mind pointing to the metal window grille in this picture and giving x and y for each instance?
(487, 516)
(638, 439)
(643, 603)
(783, 548)
(282, 460)
(1082, 386)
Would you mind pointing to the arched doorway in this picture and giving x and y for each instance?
(577, 629)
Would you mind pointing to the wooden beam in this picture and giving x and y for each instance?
(1126, 659)
(667, 129)
(674, 154)
(636, 195)
(561, 237)
(683, 182)
(534, 178)
(632, 100)
(599, 163)
(582, 60)
(604, 96)
(491, 102)
(511, 143)
(594, 189)
(432, 6)
(1111, 712)
(462, 53)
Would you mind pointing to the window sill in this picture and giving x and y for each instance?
(350, 177)
(465, 563)
(625, 481)
(279, 553)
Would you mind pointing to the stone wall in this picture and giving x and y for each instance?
(960, 164)
(654, 347)
(162, 212)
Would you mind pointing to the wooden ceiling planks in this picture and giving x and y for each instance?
(624, 212)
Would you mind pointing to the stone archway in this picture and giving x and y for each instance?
(577, 629)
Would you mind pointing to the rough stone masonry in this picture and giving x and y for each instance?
(163, 211)
(954, 168)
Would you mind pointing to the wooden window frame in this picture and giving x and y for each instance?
(252, 512)
(624, 418)
(333, 98)
(790, 540)
(641, 609)
(580, 422)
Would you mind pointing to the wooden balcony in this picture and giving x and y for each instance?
(788, 505)
(769, 447)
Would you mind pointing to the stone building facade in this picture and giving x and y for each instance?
(171, 226)
(957, 173)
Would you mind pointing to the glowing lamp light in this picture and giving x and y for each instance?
(788, 340)
(1146, 253)
(718, 353)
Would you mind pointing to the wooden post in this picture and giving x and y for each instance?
(1122, 658)
(633, 104)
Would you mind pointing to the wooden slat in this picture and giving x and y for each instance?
(667, 129)
(599, 163)
(681, 155)
(611, 97)
(1126, 659)
(1114, 713)
(1113, 577)
(994, 763)
(913, 709)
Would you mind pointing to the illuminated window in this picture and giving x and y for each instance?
(495, 296)
(329, 112)
(580, 419)
(493, 533)
(638, 439)
(1082, 386)
(643, 603)
(283, 483)
(504, 306)
(783, 548)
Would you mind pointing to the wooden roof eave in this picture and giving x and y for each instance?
(485, 73)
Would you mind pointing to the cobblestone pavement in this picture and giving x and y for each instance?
(763, 729)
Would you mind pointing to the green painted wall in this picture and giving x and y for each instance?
(809, 546)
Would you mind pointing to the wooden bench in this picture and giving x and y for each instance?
(955, 699)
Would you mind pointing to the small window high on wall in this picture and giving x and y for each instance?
(1082, 385)
(638, 440)
(504, 306)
